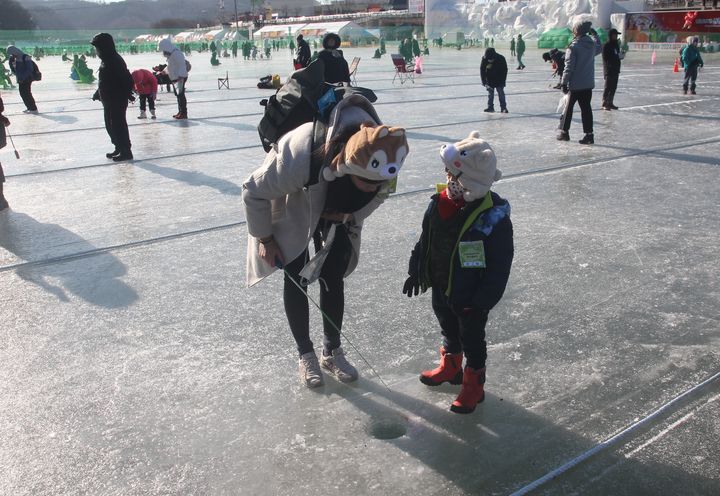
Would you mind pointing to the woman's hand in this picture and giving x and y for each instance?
(4, 120)
(270, 252)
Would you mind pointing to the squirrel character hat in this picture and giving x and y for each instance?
(472, 161)
(375, 153)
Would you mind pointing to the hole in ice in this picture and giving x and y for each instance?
(390, 426)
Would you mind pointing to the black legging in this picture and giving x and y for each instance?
(611, 82)
(462, 332)
(180, 93)
(583, 97)
(116, 124)
(25, 88)
(332, 294)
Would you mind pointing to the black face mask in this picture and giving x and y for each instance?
(344, 197)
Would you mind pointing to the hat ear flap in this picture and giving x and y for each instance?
(380, 132)
(329, 175)
(474, 134)
(333, 171)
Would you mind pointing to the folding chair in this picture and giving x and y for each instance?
(402, 70)
(224, 82)
(353, 70)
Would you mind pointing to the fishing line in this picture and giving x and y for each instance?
(326, 317)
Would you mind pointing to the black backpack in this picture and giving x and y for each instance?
(36, 74)
(305, 97)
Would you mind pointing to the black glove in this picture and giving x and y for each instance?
(412, 286)
(565, 88)
(131, 98)
(96, 96)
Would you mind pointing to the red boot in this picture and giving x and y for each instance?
(472, 392)
(450, 370)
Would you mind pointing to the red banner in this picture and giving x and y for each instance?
(672, 26)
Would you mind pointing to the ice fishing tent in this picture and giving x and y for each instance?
(277, 31)
(561, 38)
(453, 38)
(555, 38)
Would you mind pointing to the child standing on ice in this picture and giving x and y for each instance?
(146, 85)
(464, 254)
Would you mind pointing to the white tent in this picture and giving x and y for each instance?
(345, 29)
(215, 34)
(233, 35)
(278, 31)
(186, 36)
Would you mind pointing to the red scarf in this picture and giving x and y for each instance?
(448, 208)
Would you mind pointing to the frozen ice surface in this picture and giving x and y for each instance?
(134, 361)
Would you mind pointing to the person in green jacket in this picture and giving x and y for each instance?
(512, 47)
(691, 60)
(520, 50)
(214, 59)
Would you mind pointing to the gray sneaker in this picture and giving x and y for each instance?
(309, 369)
(338, 365)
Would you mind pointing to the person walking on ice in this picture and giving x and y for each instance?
(691, 60)
(24, 69)
(115, 86)
(177, 72)
(520, 51)
(493, 73)
(578, 80)
(288, 202)
(612, 60)
(464, 256)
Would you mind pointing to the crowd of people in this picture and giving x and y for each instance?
(465, 250)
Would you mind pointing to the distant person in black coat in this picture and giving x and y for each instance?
(303, 51)
(612, 56)
(115, 86)
(336, 67)
(493, 72)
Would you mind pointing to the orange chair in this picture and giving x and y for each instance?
(403, 70)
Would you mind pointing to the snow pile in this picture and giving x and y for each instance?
(506, 19)
(529, 17)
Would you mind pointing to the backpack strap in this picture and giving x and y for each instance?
(319, 133)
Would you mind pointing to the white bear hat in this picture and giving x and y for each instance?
(473, 163)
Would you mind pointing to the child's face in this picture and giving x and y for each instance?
(450, 176)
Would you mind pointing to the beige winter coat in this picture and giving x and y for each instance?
(277, 202)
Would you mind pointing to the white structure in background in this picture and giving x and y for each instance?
(347, 30)
(529, 17)
(277, 31)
